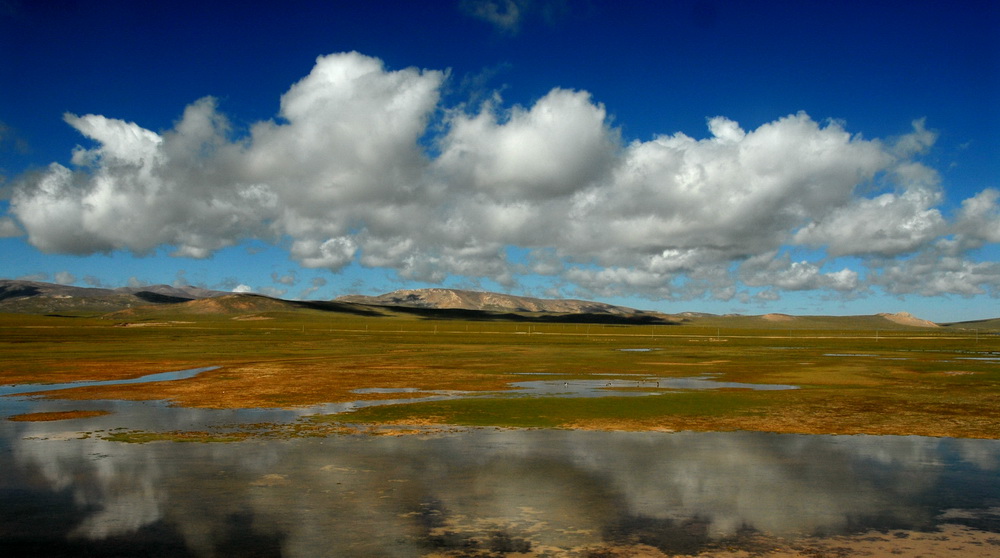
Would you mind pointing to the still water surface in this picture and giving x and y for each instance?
(461, 492)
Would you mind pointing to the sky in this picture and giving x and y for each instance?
(693, 155)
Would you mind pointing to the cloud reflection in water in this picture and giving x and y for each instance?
(501, 489)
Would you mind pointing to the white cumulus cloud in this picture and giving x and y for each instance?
(363, 164)
(782, 273)
(978, 223)
(936, 272)
(560, 145)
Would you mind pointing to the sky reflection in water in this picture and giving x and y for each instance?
(357, 496)
(500, 489)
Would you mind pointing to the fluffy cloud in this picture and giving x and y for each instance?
(735, 193)
(137, 190)
(888, 225)
(935, 272)
(784, 274)
(347, 138)
(559, 146)
(979, 221)
(363, 164)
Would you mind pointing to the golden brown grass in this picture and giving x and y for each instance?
(900, 381)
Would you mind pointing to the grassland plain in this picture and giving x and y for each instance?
(866, 375)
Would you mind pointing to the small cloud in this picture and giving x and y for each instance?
(241, 288)
(35, 277)
(8, 228)
(272, 292)
(767, 296)
(505, 15)
(316, 284)
(95, 282)
(11, 140)
(65, 278)
(289, 279)
(136, 282)
(509, 15)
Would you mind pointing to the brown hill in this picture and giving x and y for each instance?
(487, 301)
(15, 289)
(30, 297)
(905, 318)
(186, 292)
(33, 297)
(241, 303)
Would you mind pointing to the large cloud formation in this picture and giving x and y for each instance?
(364, 164)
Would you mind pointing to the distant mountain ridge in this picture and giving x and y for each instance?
(34, 297)
(15, 288)
(487, 301)
(180, 292)
(457, 299)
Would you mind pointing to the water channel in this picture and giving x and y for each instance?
(554, 492)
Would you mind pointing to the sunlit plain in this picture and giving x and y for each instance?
(861, 375)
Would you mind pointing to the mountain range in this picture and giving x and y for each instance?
(31, 297)
(492, 302)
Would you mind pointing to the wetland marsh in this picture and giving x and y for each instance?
(521, 439)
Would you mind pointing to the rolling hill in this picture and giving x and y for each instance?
(487, 301)
(30, 297)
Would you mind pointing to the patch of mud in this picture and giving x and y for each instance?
(150, 324)
(271, 480)
(703, 363)
(949, 540)
(60, 436)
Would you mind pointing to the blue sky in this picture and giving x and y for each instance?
(750, 157)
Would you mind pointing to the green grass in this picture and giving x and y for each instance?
(144, 437)
(556, 412)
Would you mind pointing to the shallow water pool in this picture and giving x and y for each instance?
(64, 492)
